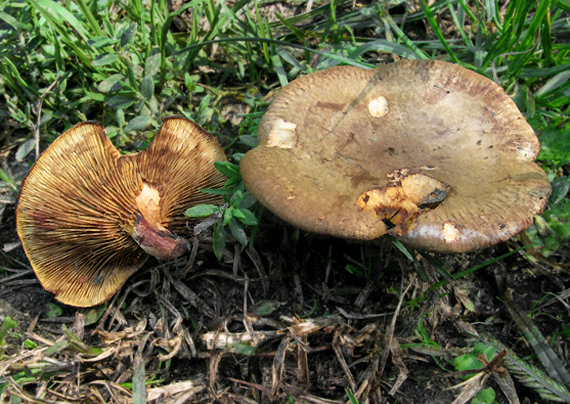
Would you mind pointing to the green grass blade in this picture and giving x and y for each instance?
(459, 24)
(90, 18)
(435, 26)
(339, 58)
(546, 39)
(416, 53)
(475, 268)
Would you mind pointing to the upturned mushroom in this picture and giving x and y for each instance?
(427, 151)
(88, 216)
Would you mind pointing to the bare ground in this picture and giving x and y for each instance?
(284, 322)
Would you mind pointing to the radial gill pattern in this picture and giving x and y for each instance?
(77, 210)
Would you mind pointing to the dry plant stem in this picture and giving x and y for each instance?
(259, 387)
(397, 358)
(215, 358)
(17, 275)
(238, 248)
(350, 316)
(346, 369)
(392, 326)
(246, 320)
(494, 67)
(117, 312)
(256, 259)
(470, 388)
(39, 113)
(79, 325)
(17, 391)
(192, 387)
(279, 366)
(33, 324)
(190, 296)
(191, 259)
(303, 363)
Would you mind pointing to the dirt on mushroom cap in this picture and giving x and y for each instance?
(78, 209)
(348, 129)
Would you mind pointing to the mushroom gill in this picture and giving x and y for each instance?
(87, 216)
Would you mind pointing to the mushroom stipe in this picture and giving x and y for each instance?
(439, 153)
(88, 217)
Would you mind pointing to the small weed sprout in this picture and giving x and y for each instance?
(7, 324)
(235, 212)
(470, 360)
(473, 361)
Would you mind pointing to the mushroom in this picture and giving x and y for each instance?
(429, 152)
(88, 216)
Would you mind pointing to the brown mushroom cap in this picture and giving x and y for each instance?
(87, 216)
(437, 150)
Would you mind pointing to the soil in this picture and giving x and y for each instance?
(293, 278)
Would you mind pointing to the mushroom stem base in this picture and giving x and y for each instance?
(159, 243)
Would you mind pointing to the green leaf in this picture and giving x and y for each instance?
(147, 87)
(152, 63)
(237, 231)
(93, 314)
(62, 14)
(111, 84)
(248, 140)
(120, 117)
(120, 101)
(101, 42)
(139, 374)
(560, 187)
(138, 123)
(467, 362)
(402, 248)
(245, 216)
(105, 59)
(248, 200)
(266, 307)
(133, 83)
(18, 25)
(30, 344)
(189, 82)
(227, 168)
(95, 96)
(245, 349)
(485, 396)
(54, 310)
(236, 199)
(7, 324)
(487, 351)
(219, 240)
(555, 143)
(201, 210)
(25, 148)
(228, 215)
(128, 34)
